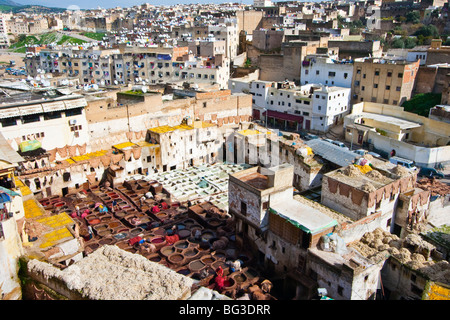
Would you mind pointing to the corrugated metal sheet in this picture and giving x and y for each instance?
(77, 103)
(9, 113)
(54, 106)
(331, 152)
(33, 109)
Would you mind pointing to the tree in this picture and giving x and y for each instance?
(413, 17)
(427, 31)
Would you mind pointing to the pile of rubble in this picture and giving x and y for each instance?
(436, 187)
(411, 251)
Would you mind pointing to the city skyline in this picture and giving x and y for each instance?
(85, 4)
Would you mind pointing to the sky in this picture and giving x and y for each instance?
(89, 4)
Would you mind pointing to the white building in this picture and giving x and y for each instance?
(54, 122)
(262, 3)
(326, 70)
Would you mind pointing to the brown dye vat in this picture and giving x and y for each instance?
(100, 227)
(114, 224)
(106, 218)
(220, 263)
(190, 252)
(208, 259)
(182, 244)
(134, 232)
(154, 257)
(240, 278)
(219, 255)
(196, 265)
(92, 247)
(167, 250)
(176, 258)
(122, 244)
(214, 223)
(104, 232)
(207, 235)
(105, 241)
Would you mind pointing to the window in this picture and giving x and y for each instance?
(52, 115)
(377, 72)
(345, 75)
(8, 122)
(389, 74)
(375, 85)
(398, 88)
(400, 75)
(388, 87)
(356, 83)
(317, 72)
(243, 208)
(31, 118)
(331, 74)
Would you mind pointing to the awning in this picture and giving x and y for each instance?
(283, 116)
(9, 113)
(53, 106)
(77, 103)
(4, 197)
(28, 110)
(306, 218)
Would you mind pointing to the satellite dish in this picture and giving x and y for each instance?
(116, 82)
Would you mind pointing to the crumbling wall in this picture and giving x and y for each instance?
(111, 273)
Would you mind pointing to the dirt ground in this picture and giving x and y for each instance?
(5, 57)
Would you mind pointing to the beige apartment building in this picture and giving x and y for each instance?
(382, 80)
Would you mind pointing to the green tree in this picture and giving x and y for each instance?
(427, 31)
(413, 17)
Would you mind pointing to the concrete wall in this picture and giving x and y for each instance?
(10, 251)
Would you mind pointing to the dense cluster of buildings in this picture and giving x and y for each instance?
(186, 143)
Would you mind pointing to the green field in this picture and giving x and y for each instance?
(94, 35)
(43, 39)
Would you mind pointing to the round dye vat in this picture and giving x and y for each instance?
(114, 224)
(240, 278)
(155, 258)
(94, 221)
(207, 259)
(190, 252)
(167, 250)
(175, 258)
(59, 204)
(183, 234)
(184, 271)
(157, 240)
(196, 265)
(181, 244)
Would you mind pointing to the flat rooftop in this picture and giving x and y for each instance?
(256, 180)
(353, 176)
(401, 123)
(303, 216)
